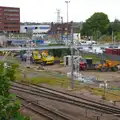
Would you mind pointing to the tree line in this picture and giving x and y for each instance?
(99, 24)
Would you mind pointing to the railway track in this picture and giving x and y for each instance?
(65, 97)
(43, 110)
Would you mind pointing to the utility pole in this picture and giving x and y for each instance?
(72, 62)
(30, 33)
(58, 16)
(67, 2)
(112, 37)
(62, 20)
(62, 31)
(28, 53)
(104, 95)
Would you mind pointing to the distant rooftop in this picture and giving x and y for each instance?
(8, 7)
(34, 23)
(48, 23)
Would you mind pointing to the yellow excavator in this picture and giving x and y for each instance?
(106, 65)
(42, 58)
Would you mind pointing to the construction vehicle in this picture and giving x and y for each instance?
(82, 66)
(84, 63)
(106, 65)
(43, 58)
(87, 64)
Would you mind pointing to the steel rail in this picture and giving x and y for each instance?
(46, 111)
(49, 90)
(105, 107)
(63, 100)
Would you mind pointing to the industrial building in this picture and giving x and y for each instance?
(34, 29)
(9, 19)
(59, 30)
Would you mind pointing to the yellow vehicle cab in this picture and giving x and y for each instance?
(42, 57)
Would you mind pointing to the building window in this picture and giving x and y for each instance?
(30, 28)
(12, 18)
(5, 27)
(44, 27)
(11, 27)
(14, 27)
(11, 10)
(11, 14)
(11, 23)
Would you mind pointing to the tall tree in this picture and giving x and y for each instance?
(116, 28)
(116, 25)
(97, 22)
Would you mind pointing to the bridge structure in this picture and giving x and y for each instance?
(48, 47)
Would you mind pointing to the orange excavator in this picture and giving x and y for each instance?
(106, 65)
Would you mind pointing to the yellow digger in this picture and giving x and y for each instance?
(42, 58)
(107, 65)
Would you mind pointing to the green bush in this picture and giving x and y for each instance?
(59, 52)
(9, 105)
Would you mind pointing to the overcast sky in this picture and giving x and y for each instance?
(79, 10)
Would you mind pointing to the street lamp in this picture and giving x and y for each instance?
(67, 2)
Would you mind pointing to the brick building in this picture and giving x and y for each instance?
(9, 19)
(60, 28)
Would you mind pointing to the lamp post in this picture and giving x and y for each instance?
(112, 37)
(67, 2)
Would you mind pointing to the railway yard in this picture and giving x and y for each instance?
(45, 90)
(59, 70)
(46, 95)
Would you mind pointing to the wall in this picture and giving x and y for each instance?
(35, 28)
(10, 19)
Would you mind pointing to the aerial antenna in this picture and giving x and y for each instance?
(58, 16)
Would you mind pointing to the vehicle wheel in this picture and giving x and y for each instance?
(53, 63)
(33, 61)
(115, 68)
(103, 69)
(43, 63)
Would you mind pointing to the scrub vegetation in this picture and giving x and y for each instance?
(9, 104)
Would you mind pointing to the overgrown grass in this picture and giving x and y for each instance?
(109, 95)
(44, 80)
(13, 59)
(43, 77)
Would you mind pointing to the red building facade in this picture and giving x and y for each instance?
(9, 19)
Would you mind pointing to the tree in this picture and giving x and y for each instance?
(116, 25)
(9, 105)
(97, 22)
(86, 29)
